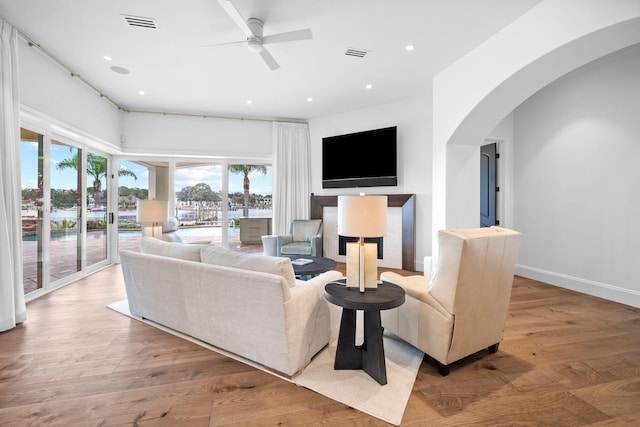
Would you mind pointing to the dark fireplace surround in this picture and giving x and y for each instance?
(343, 240)
(404, 201)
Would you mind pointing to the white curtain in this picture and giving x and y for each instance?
(291, 174)
(12, 304)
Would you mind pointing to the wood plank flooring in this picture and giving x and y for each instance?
(567, 359)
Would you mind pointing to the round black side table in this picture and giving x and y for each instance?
(370, 355)
(318, 266)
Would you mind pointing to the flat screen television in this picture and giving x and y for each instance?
(361, 159)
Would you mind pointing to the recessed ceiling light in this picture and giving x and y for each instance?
(141, 92)
(249, 101)
(119, 70)
(368, 86)
(309, 99)
(409, 47)
(107, 58)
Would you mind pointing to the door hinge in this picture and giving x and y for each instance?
(497, 222)
(111, 217)
(497, 155)
(497, 189)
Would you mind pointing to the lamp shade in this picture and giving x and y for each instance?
(362, 216)
(152, 211)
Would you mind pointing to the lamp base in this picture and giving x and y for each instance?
(362, 267)
(152, 230)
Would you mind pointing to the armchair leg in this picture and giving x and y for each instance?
(443, 369)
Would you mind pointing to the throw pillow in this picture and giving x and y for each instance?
(186, 251)
(267, 264)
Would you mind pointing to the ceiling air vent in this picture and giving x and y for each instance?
(358, 53)
(140, 21)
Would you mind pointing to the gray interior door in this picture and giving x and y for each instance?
(488, 185)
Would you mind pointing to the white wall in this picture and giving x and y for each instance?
(50, 92)
(502, 135)
(476, 92)
(198, 136)
(576, 175)
(413, 119)
(53, 92)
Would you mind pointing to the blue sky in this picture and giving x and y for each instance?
(66, 179)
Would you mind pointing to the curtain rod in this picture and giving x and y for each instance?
(213, 116)
(61, 64)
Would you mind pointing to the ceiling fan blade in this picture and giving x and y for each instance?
(271, 62)
(235, 15)
(288, 36)
(225, 44)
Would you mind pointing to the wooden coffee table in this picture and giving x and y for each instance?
(370, 355)
(319, 265)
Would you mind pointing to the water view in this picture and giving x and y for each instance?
(188, 226)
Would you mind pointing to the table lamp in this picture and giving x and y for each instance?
(362, 216)
(154, 212)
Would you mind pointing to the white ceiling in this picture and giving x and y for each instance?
(178, 74)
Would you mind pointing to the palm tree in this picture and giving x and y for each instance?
(246, 170)
(97, 169)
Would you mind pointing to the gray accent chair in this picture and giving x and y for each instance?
(304, 238)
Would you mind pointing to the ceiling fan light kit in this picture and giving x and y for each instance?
(253, 29)
(254, 44)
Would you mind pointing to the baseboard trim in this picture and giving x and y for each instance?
(589, 287)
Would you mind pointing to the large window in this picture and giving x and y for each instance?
(137, 180)
(250, 190)
(206, 197)
(198, 202)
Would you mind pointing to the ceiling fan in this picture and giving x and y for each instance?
(255, 41)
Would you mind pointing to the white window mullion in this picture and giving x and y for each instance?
(225, 204)
(83, 211)
(46, 211)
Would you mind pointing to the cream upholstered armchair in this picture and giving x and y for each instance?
(305, 238)
(462, 308)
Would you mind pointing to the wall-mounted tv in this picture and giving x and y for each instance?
(362, 159)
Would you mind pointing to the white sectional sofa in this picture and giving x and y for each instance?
(249, 305)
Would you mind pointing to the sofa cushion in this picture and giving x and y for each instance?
(296, 248)
(253, 262)
(186, 251)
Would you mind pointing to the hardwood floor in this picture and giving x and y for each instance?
(567, 359)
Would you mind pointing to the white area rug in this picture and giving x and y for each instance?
(354, 388)
(358, 390)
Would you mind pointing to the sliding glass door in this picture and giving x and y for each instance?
(64, 199)
(65, 213)
(97, 204)
(32, 177)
